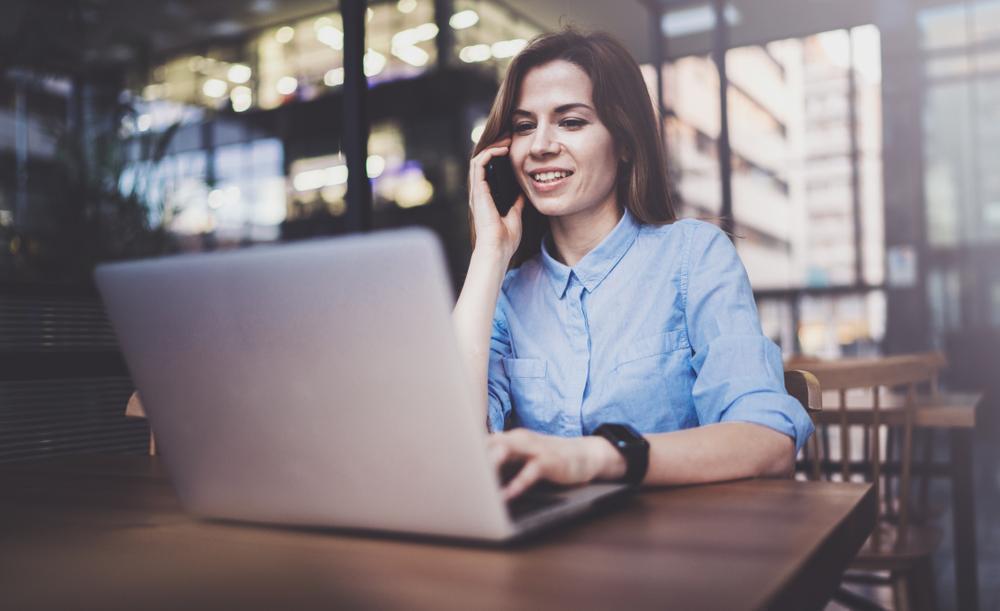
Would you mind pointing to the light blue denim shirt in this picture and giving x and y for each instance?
(655, 327)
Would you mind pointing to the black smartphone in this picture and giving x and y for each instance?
(503, 184)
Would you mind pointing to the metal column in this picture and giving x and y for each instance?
(20, 151)
(445, 40)
(359, 190)
(852, 124)
(719, 48)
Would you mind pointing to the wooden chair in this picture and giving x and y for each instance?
(134, 410)
(806, 388)
(898, 546)
(62, 379)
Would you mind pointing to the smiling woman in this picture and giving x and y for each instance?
(592, 88)
(573, 187)
(617, 343)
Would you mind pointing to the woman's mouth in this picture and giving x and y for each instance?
(549, 180)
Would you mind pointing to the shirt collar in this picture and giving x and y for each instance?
(597, 264)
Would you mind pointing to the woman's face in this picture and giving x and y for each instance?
(563, 156)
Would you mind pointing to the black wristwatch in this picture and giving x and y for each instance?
(632, 446)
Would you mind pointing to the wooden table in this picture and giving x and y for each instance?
(947, 411)
(107, 532)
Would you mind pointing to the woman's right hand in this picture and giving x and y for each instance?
(495, 233)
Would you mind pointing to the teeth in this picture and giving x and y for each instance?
(549, 176)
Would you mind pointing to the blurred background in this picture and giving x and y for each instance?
(847, 143)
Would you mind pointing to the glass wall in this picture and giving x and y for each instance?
(794, 165)
(302, 60)
(251, 132)
(486, 34)
(961, 126)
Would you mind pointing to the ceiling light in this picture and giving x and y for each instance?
(214, 88)
(241, 97)
(477, 130)
(508, 48)
(415, 56)
(374, 62)
(375, 165)
(238, 73)
(287, 85)
(285, 34)
(475, 53)
(464, 19)
(330, 36)
(412, 36)
(334, 77)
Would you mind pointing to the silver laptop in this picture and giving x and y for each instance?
(319, 383)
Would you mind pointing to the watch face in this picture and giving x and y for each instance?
(631, 445)
(623, 434)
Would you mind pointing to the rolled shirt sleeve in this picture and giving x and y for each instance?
(497, 383)
(740, 374)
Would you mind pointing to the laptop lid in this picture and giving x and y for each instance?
(316, 383)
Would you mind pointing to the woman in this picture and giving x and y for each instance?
(608, 311)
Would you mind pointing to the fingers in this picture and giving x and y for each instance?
(513, 217)
(510, 446)
(518, 445)
(529, 474)
(477, 177)
(498, 148)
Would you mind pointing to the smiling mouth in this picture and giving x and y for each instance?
(547, 178)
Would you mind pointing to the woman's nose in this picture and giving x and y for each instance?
(543, 143)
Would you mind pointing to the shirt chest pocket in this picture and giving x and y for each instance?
(662, 345)
(529, 391)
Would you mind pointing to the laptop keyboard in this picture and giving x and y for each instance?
(532, 502)
(541, 495)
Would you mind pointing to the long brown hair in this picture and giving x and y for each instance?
(622, 102)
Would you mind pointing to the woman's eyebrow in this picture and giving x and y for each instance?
(561, 109)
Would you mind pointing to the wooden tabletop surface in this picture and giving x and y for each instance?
(947, 410)
(106, 532)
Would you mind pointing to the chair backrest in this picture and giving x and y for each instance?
(864, 378)
(937, 361)
(806, 388)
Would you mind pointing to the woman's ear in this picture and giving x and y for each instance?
(624, 154)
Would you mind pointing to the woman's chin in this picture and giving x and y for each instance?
(548, 206)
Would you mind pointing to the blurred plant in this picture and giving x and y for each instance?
(89, 201)
(97, 203)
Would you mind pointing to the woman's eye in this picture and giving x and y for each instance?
(522, 127)
(573, 123)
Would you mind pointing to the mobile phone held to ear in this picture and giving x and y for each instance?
(503, 184)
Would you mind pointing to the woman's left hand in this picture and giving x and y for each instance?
(560, 460)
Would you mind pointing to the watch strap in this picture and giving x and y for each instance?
(631, 445)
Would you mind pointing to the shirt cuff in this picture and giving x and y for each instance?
(776, 411)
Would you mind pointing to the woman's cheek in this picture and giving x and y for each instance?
(517, 160)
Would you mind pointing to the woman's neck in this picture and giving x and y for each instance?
(576, 235)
